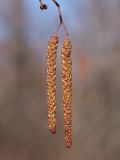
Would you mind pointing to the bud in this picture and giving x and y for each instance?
(43, 6)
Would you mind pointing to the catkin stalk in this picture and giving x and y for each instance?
(51, 82)
(67, 91)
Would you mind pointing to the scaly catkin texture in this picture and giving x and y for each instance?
(51, 82)
(67, 91)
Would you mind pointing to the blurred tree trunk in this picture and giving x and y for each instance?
(22, 48)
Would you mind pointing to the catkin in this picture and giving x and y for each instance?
(51, 82)
(67, 91)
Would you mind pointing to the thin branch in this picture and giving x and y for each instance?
(58, 6)
(61, 21)
(57, 29)
(44, 6)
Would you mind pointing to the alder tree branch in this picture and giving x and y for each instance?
(44, 6)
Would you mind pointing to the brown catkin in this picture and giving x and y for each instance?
(51, 82)
(67, 91)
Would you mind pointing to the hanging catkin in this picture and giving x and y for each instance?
(67, 92)
(51, 82)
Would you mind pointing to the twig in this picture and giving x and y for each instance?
(44, 6)
(57, 29)
(58, 6)
(61, 21)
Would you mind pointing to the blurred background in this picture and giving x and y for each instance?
(94, 29)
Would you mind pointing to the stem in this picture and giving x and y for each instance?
(65, 30)
(58, 6)
(41, 2)
(57, 29)
(44, 6)
(61, 21)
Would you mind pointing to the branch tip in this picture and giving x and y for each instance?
(44, 6)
